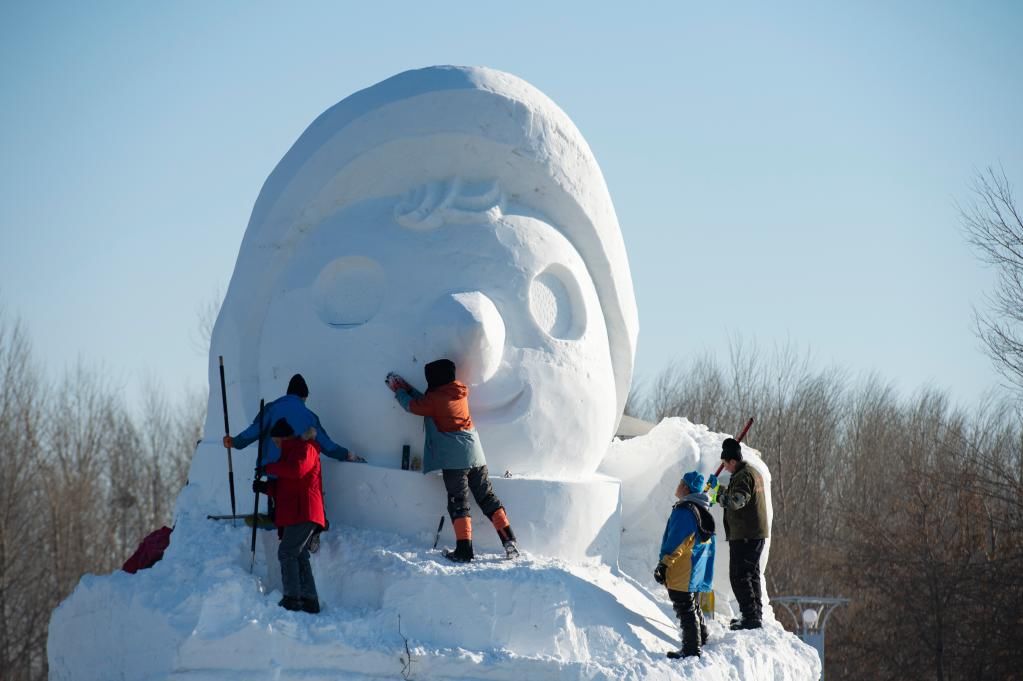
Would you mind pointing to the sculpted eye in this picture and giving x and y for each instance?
(349, 290)
(556, 303)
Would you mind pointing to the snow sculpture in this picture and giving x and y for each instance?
(443, 212)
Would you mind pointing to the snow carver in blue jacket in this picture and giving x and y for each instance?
(686, 564)
(453, 445)
(291, 407)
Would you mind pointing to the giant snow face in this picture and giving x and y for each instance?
(505, 296)
(445, 212)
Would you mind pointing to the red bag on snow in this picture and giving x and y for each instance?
(149, 552)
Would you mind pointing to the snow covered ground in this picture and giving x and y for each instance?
(395, 608)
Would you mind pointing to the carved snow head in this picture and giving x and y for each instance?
(445, 212)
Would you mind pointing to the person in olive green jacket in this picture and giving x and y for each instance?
(745, 505)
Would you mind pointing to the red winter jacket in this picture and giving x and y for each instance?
(298, 489)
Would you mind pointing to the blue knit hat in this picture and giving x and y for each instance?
(694, 481)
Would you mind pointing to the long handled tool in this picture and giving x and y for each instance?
(262, 519)
(440, 526)
(259, 467)
(227, 431)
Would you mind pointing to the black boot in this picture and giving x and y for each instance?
(686, 607)
(702, 622)
(462, 552)
(511, 549)
(311, 605)
(290, 603)
(745, 624)
(690, 643)
(679, 654)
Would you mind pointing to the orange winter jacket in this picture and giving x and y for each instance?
(451, 440)
(448, 406)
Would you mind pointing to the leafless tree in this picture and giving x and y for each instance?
(993, 225)
(22, 398)
(206, 317)
(84, 478)
(913, 508)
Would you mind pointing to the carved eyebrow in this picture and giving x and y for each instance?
(450, 201)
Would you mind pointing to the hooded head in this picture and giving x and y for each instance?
(282, 429)
(297, 386)
(439, 372)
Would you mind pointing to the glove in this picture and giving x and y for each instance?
(395, 382)
(260, 486)
(713, 488)
(355, 458)
(228, 442)
(660, 573)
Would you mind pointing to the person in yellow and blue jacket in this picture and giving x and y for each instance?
(686, 564)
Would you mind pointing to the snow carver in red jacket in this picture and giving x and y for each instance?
(298, 495)
(453, 445)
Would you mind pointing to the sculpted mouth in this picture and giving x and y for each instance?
(499, 403)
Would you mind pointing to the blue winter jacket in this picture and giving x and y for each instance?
(291, 408)
(690, 562)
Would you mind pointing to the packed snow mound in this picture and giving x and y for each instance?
(672, 448)
(200, 613)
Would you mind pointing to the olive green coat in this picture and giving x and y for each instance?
(745, 505)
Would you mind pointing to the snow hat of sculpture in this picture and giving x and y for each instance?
(445, 212)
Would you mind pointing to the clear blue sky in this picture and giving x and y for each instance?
(787, 171)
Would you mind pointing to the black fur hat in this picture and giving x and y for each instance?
(297, 386)
(731, 450)
(439, 372)
(282, 429)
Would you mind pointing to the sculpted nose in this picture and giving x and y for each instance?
(467, 329)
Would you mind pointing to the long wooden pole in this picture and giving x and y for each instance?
(227, 432)
(259, 466)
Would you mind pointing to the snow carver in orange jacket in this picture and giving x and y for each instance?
(453, 446)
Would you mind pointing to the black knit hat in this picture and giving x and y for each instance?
(438, 373)
(282, 429)
(731, 450)
(297, 386)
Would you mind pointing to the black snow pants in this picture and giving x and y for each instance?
(690, 619)
(744, 575)
(460, 481)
